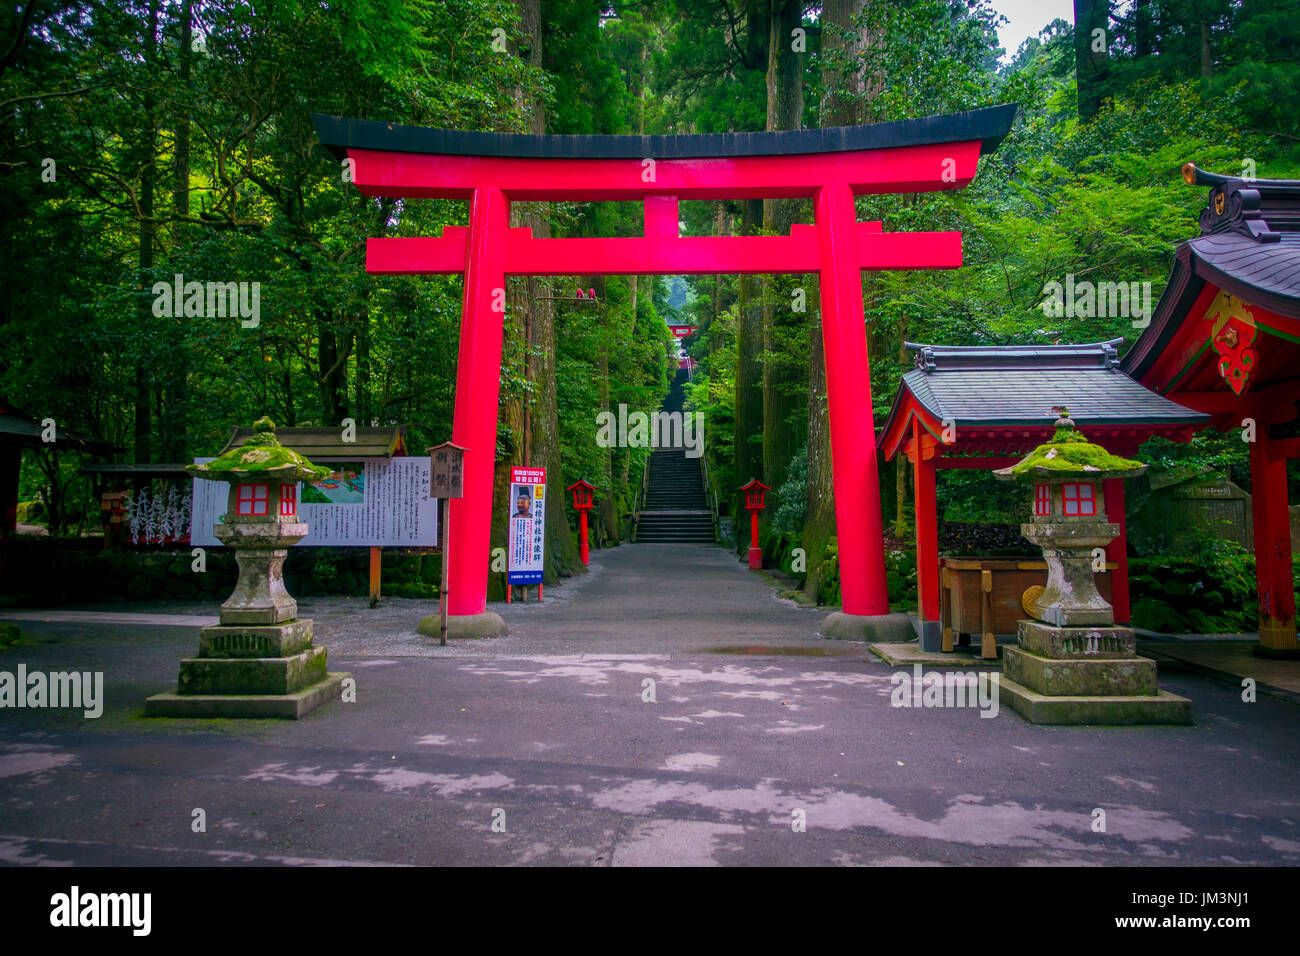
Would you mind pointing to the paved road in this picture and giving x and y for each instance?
(551, 733)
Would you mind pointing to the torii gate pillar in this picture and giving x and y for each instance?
(478, 386)
(856, 481)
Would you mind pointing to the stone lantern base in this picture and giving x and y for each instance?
(251, 671)
(259, 661)
(1085, 675)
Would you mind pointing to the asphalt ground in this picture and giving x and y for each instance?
(665, 708)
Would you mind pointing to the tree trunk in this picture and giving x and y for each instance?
(542, 433)
(175, 421)
(143, 417)
(846, 83)
(361, 388)
(782, 379)
(749, 369)
(1090, 64)
(749, 311)
(1207, 56)
(1142, 28)
(332, 367)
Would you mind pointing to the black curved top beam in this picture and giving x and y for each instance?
(989, 125)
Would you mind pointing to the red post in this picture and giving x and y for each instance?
(755, 552)
(927, 539)
(583, 551)
(1117, 550)
(1277, 624)
(478, 378)
(848, 388)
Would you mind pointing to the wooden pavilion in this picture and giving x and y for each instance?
(19, 431)
(987, 406)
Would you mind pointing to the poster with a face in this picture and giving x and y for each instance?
(527, 525)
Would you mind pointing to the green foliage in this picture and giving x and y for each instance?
(1210, 591)
(828, 574)
(111, 96)
(793, 495)
(900, 578)
(11, 636)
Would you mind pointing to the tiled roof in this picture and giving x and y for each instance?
(1249, 246)
(1019, 385)
(327, 444)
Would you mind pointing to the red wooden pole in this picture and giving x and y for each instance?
(848, 389)
(927, 540)
(1117, 550)
(755, 552)
(478, 378)
(1277, 624)
(583, 551)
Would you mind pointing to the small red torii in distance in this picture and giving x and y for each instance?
(830, 166)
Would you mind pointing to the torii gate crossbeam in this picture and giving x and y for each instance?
(831, 167)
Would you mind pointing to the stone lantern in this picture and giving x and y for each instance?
(1071, 664)
(259, 661)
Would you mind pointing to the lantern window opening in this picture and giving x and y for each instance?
(288, 501)
(1079, 499)
(1043, 500)
(252, 500)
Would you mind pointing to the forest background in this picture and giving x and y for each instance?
(142, 140)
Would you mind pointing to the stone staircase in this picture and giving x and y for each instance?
(676, 509)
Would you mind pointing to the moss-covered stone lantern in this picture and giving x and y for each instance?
(261, 521)
(1070, 523)
(1071, 664)
(259, 661)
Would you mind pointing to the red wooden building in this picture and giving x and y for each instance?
(987, 406)
(1225, 339)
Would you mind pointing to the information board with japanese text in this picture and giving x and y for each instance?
(381, 503)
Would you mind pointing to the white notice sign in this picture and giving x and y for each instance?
(384, 503)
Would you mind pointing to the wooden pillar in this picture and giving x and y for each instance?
(1272, 527)
(988, 640)
(927, 538)
(945, 609)
(11, 461)
(1117, 550)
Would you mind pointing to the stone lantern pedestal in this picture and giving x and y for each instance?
(260, 660)
(1071, 664)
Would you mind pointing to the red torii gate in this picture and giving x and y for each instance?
(830, 166)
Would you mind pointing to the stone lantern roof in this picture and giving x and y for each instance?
(1069, 455)
(261, 456)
